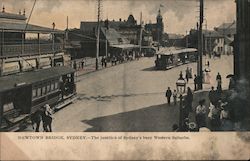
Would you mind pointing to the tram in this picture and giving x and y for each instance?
(170, 58)
(24, 93)
(148, 51)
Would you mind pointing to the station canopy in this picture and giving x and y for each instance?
(27, 78)
(20, 27)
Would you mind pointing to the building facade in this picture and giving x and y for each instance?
(156, 29)
(227, 30)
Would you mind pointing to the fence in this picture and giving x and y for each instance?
(30, 49)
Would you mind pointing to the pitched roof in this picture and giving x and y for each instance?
(227, 28)
(113, 37)
(212, 33)
(89, 25)
(227, 25)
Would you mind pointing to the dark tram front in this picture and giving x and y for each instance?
(25, 93)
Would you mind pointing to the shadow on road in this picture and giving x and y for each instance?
(159, 118)
(150, 69)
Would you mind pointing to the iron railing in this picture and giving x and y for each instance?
(30, 49)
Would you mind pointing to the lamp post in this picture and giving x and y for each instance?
(181, 86)
(210, 44)
(181, 112)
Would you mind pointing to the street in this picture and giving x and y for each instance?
(129, 97)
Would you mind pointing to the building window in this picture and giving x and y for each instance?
(56, 85)
(52, 86)
(44, 90)
(48, 87)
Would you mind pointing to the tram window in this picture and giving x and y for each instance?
(48, 87)
(56, 85)
(52, 86)
(34, 93)
(44, 90)
(7, 107)
(38, 92)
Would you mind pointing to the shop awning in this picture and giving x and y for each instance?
(22, 79)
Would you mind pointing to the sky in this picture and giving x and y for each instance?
(179, 16)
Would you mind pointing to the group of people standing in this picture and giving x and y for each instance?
(216, 116)
(43, 115)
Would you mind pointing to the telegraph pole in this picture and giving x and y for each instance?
(199, 70)
(98, 32)
(140, 41)
(186, 39)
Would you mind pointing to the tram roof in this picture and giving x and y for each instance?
(22, 79)
(125, 46)
(170, 51)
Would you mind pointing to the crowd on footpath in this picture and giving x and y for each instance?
(112, 60)
(226, 109)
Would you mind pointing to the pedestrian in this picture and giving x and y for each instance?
(103, 61)
(187, 75)
(218, 79)
(201, 114)
(189, 100)
(181, 76)
(212, 96)
(185, 126)
(168, 95)
(218, 93)
(175, 97)
(190, 73)
(214, 117)
(195, 82)
(75, 65)
(47, 118)
(82, 63)
(231, 84)
(226, 123)
(208, 63)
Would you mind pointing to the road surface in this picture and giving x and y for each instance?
(129, 97)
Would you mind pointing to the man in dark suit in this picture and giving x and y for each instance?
(168, 94)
